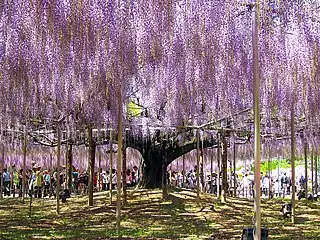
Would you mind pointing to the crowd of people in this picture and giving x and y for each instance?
(275, 186)
(43, 182)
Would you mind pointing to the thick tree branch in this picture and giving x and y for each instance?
(177, 151)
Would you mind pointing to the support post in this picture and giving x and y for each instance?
(316, 172)
(69, 167)
(219, 169)
(269, 171)
(120, 138)
(211, 172)
(306, 166)
(2, 169)
(234, 171)
(198, 166)
(58, 169)
(24, 173)
(183, 170)
(177, 170)
(124, 170)
(224, 169)
(111, 166)
(92, 155)
(2, 164)
(163, 175)
(279, 175)
(99, 178)
(256, 110)
(312, 158)
(201, 165)
(293, 175)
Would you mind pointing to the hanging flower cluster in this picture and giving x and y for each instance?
(187, 61)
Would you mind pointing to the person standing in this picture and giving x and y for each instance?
(104, 180)
(246, 186)
(6, 182)
(20, 176)
(38, 183)
(135, 172)
(128, 178)
(47, 181)
(114, 179)
(265, 185)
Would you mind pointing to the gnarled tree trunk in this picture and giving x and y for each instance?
(154, 159)
(152, 169)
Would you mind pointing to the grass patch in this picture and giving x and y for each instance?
(147, 216)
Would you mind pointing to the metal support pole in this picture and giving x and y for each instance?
(256, 110)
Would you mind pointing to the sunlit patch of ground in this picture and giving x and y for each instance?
(147, 216)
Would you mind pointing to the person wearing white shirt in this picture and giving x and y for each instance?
(104, 180)
(246, 185)
(265, 185)
(277, 188)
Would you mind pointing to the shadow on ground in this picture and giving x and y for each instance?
(147, 216)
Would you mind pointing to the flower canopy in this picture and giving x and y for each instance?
(186, 62)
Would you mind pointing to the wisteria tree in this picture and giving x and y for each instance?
(188, 63)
